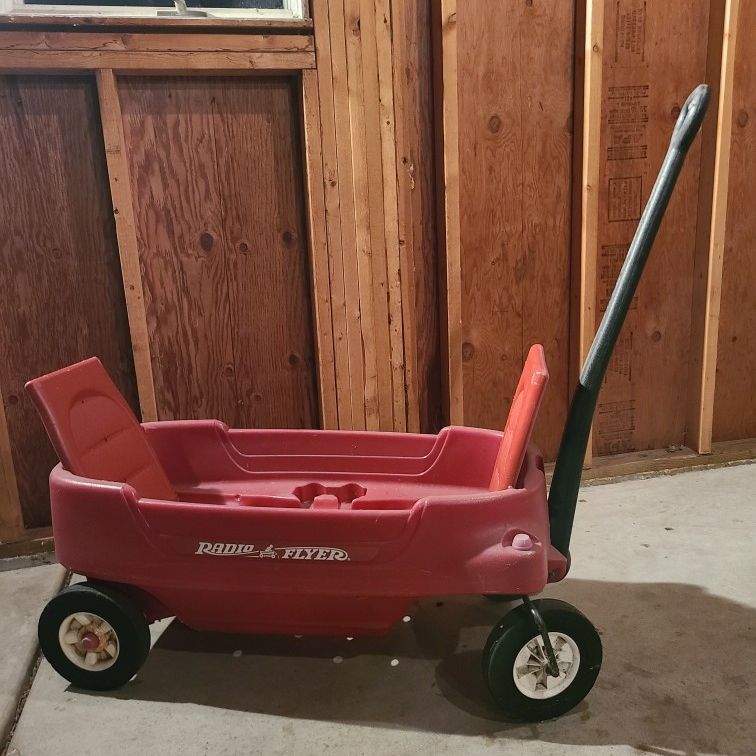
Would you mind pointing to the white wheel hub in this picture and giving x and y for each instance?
(88, 641)
(531, 666)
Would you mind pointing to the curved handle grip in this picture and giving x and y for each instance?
(690, 118)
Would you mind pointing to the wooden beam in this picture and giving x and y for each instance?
(591, 154)
(450, 203)
(344, 128)
(350, 25)
(665, 461)
(388, 142)
(128, 249)
(405, 241)
(28, 542)
(370, 193)
(701, 419)
(84, 20)
(11, 519)
(333, 212)
(316, 224)
(144, 62)
(153, 42)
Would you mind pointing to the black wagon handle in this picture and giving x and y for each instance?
(569, 463)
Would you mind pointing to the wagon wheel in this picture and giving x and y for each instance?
(516, 665)
(93, 636)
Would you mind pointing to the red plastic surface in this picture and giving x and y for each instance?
(307, 531)
(521, 420)
(93, 430)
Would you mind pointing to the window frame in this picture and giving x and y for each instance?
(293, 10)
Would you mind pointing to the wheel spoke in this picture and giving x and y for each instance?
(71, 637)
(111, 649)
(91, 658)
(83, 619)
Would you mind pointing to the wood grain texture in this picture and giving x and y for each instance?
(413, 96)
(123, 211)
(589, 56)
(166, 62)
(218, 189)
(165, 42)
(387, 125)
(62, 293)
(734, 403)
(362, 287)
(654, 54)
(28, 21)
(11, 518)
(333, 213)
(318, 242)
(710, 225)
(449, 187)
(515, 160)
(361, 386)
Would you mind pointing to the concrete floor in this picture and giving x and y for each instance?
(665, 567)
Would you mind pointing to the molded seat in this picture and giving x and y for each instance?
(94, 431)
(520, 421)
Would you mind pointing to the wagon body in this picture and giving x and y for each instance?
(267, 536)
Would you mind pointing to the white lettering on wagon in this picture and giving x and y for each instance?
(315, 553)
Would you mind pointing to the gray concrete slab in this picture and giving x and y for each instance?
(25, 585)
(665, 568)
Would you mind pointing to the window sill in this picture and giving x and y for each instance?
(34, 21)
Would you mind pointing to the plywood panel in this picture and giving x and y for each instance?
(218, 193)
(515, 161)
(735, 387)
(654, 54)
(257, 140)
(62, 297)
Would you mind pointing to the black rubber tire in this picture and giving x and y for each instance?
(124, 617)
(508, 638)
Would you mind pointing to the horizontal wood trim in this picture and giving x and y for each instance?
(666, 460)
(32, 541)
(119, 60)
(121, 42)
(28, 20)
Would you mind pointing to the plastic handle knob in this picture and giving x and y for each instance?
(691, 117)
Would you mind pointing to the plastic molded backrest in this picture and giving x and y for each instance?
(94, 431)
(521, 419)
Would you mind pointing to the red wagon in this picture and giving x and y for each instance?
(325, 532)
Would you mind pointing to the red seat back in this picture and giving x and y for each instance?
(94, 431)
(521, 419)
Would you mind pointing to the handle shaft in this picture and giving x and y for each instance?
(569, 464)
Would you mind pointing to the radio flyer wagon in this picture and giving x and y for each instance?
(326, 532)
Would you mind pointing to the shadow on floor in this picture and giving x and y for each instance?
(676, 677)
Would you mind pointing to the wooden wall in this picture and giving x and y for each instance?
(374, 87)
(654, 54)
(217, 179)
(515, 64)
(364, 219)
(62, 296)
(735, 393)
(554, 120)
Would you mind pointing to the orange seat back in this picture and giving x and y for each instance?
(94, 431)
(521, 419)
